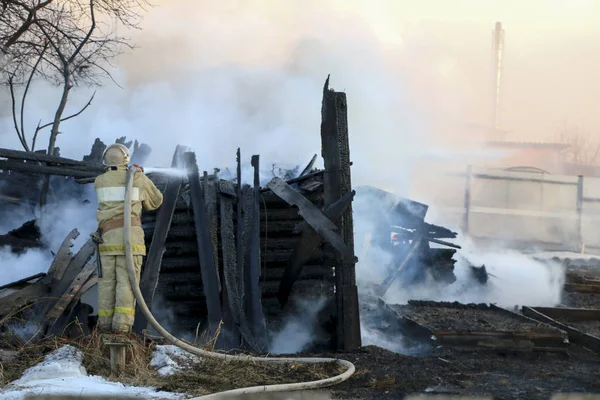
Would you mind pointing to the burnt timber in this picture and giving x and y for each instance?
(219, 249)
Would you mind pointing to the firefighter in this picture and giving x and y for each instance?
(116, 301)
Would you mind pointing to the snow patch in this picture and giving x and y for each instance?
(61, 373)
(163, 361)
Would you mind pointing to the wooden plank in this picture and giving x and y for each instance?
(256, 317)
(313, 216)
(210, 281)
(37, 157)
(53, 316)
(42, 169)
(63, 256)
(445, 397)
(572, 314)
(337, 181)
(232, 298)
(32, 293)
(575, 335)
(575, 396)
(385, 285)
(498, 334)
(309, 241)
(352, 334)
(239, 227)
(76, 264)
(153, 262)
(210, 198)
(23, 281)
(581, 288)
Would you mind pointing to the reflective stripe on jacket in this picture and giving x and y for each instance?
(110, 192)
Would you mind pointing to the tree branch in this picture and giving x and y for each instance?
(14, 114)
(39, 128)
(87, 37)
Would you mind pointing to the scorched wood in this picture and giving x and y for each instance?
(206, 258)
(46, 170)
(337, 181)
(252, 292)
(44, 158)
(313, 216)
(52, 318)
(151, 272)
(309, 241)
(63, 256)
(232, 296)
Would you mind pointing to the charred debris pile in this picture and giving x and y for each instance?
(225, 257)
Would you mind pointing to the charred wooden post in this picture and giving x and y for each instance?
(208, 269)
(254, 309)
(231, 295)
(164, 217)
(239, 232)
(210, 198)
(336, 155)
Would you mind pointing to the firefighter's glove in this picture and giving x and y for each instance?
(96, 238)
(139, 168)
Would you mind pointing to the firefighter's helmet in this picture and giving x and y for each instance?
(116, 155)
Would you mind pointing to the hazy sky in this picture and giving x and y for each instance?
(441, 49)
(216, 75)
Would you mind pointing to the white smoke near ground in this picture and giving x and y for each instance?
(23, 265)
(298, 329)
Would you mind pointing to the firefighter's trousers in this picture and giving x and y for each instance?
(116, 301)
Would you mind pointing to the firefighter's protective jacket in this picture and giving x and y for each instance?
(110, 191)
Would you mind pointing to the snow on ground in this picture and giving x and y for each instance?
(162, 359)
(61, 372)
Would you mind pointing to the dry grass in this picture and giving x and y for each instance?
(197, 378)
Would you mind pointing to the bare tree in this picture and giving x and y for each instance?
(584, 147)
(63, 43)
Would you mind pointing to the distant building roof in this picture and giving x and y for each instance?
(529, 145)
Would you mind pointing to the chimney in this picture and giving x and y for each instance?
(497, 67)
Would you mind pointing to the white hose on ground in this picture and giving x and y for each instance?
(286, 387)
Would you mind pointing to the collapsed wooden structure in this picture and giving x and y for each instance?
(480, 326)
(227, 256)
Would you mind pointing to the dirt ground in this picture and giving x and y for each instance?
(385, 375)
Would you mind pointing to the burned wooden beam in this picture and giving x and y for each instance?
(313, 216)
(44, 158)
(210, 281)
(254, 309)
(62, 278)
(48, 170)
(239, 233)
(544, 314)
(309, 241)
(164, 216)
(232, 298)
(23, 281)
(385, 285)
(24, 297)
(53, 317)
(63, 256)
(337, 181)
(211, 201)
(308, 167)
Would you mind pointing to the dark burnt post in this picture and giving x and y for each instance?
(337, 182)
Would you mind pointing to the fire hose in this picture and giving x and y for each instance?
(286, 387)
